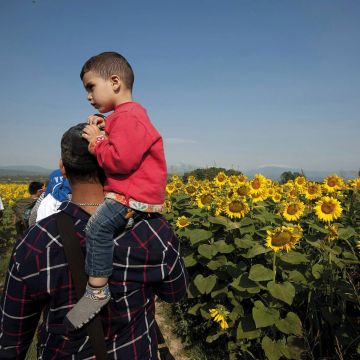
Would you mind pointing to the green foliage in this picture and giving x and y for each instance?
(288, 175)
(301, 304)
(209, 173)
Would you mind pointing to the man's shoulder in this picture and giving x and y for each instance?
(154, 234)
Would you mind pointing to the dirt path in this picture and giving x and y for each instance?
(166, 326)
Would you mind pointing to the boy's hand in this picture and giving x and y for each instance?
(97, 120)
(91, 132)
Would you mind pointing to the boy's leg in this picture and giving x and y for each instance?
(107, 220)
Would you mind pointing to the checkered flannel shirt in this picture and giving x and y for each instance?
(146, 263)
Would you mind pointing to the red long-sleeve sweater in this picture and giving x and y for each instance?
(132, 155)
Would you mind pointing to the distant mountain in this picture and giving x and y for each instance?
(23, 170)
(274, 173)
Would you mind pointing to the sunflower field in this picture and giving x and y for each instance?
(274, 269)
(9, 192)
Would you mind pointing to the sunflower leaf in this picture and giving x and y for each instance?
(294, 257)
(346, 233)
(317, 271)
(290, 325)
(297, 277)
(245, 243)
(190, 260)
(216, 263)
(284, 291)
(264, 316)
(247, 329)
(205, 284)
(224, 221)
(207, 251)
(271, 348)
(199, 235)
(222, 247)
(259, 272)
(257, 249)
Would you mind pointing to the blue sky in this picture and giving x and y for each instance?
(238, 84)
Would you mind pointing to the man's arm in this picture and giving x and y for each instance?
(175, 283)
(19, 314)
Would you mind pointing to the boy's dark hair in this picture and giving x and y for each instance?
(110, 63)
(34, 187)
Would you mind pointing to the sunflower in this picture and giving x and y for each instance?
(258, 184)
(356, 183)
(233, 180)
(292, 193)
(190, 189)
(174, 178)
(204, 199)
(358, 244)
(168, 205)
(260, 196)
(300, 181)
(283, 237)
(328, 209)
(313, 191)
(271, 191)
(333, 232)
(220, 179)
(243, 190)
(333, 183)
(182, 222)
(236, 207)
(293, 210)
(242, 179)
(170, 188)
(276, 197)
(178, 185)
(219, 314)
(220, 204)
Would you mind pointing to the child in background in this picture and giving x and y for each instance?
(130, 151)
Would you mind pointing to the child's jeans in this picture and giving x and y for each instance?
(100, 230)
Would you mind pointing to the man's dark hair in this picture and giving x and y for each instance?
(110, 63)
(34, 187)
(79, 164)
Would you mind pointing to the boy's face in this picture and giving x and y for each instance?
(101, 92)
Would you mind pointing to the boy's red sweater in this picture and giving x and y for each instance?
(132, 155)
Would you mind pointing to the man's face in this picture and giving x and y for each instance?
(100, 92)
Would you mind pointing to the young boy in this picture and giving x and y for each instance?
(130, 151)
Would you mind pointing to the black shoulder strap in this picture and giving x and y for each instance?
(75, 259)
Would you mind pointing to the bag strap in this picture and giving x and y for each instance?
(75, 259)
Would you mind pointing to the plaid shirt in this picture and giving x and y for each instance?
(146, 263)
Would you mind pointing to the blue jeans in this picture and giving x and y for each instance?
(100, 230)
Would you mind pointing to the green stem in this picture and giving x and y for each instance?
(274, 266)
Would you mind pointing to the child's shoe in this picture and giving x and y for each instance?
(88, 306)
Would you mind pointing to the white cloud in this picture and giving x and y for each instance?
(274, 165)
(179, 141)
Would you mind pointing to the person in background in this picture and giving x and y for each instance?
(39, 284)
(22, 207)
(57, 190)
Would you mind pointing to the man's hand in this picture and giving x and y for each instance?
(91, 132)
(97, 120)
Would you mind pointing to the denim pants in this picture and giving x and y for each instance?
(107, 221)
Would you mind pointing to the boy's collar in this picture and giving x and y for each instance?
(123, 104)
